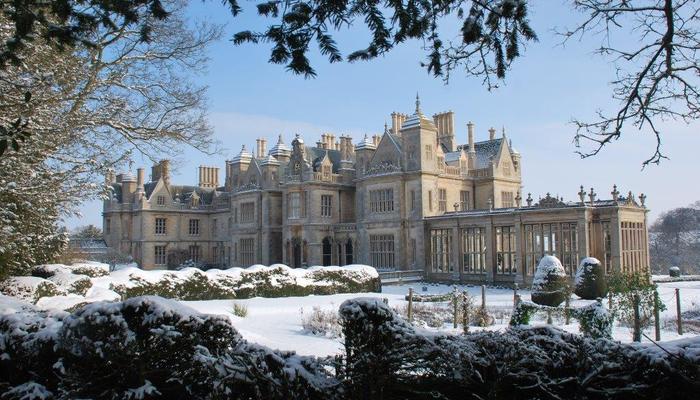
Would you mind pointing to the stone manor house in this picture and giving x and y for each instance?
(409, 199)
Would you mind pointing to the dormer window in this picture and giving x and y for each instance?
(160, 200)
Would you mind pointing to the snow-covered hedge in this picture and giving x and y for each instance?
(29, 288)
(389, 358)
(71, 286)
(149, 347)
(274, 281)
(145, 347)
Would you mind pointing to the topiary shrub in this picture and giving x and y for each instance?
(590, 282)
(550, 286)
(674, 272)
(522, 314)
(594, 320)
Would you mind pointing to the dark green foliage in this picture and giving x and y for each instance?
(522, 314)
(493, 33)
(262, 283)
(108, 350)
(120, 347)
(591, 282)
(624, 288)
(387, 359)
(27, 350)
(550, 285)
(594, 321)
(674, 272)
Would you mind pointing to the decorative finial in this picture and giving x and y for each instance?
(642, 199)
(386, 128)
(503, 130)
(529, 199)
(279, 139)
(582, 195)
(242, 148)
(615, 193)
(592, 195)
(417, 104)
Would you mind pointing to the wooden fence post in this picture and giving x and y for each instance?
(465, 312)
(637, 334)
(455, 302)
(657, 323)
(483, 296)
(410, 304)
(678, 311)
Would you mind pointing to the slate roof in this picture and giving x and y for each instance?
(485, 151)
(316, 156)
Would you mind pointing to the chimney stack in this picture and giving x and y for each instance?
(263, 147)
(470, 130)
(140, 176)
(165, 171)
(492, 133)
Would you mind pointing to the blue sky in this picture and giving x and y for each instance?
(545, 89)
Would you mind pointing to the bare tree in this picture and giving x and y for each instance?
(656, 76)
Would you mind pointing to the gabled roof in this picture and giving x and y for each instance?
(315, 155)
(486, 151)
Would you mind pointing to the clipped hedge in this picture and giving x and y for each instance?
(236, 283)
(388, 358)
(147, 348)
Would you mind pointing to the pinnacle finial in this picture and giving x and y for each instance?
(417, 103)
(503, 130)
(386, 127)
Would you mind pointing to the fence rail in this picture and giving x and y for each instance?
(397, 277)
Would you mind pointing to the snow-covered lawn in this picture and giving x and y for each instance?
(276, 322)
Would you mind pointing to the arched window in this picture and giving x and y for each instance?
(327, 252)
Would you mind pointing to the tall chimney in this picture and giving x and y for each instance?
(140, 176)
(263, 147)
(165, 171)
(470, 130)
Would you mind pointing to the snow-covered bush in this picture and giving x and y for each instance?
(146, 347)
(522, 314)
(590, 282)
(626, 288)
(29, 288)
(140, 343)
(550, 285)
(674, 272)
(388, 358)
(91, 269)
(321, 322)
(27, 350)
(242, 283)
(594, 320)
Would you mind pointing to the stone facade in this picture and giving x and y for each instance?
(411, 198)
